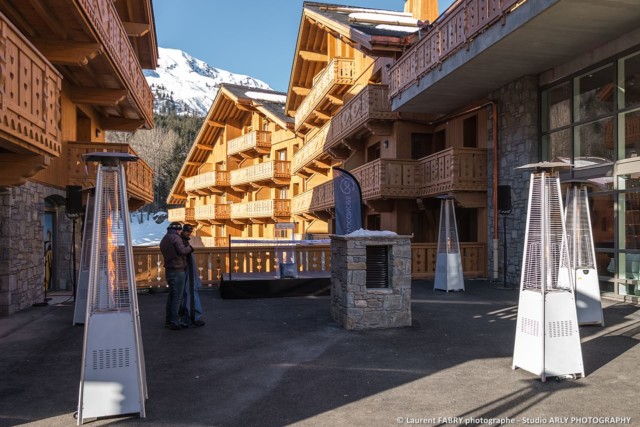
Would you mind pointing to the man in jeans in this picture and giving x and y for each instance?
(175, 254)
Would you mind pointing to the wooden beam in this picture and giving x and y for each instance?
(313, 56)
(215, 124)
(96, 95)
(335, 100)
(300, 91)
(121, 124)
(204, 147)
(136, 29)
(192, 163)
(17, 167)
(179, 196)
(322, 115)
(65, 52)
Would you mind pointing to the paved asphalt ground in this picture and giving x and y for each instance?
(274, 362)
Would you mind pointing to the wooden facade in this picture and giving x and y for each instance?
(70, 70)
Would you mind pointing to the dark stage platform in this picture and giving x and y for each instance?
(264, 286)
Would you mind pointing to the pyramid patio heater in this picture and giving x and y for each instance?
(112, 380)
(547, 339)
(80, 310)
(448, 261)
(583, 256)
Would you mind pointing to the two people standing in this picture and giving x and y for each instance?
(181, 274)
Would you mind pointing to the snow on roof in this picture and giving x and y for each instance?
(396, 28)
(371, 233)
(351, 10)
(272, 97)
(379, 18)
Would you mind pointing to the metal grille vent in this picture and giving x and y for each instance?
(377, 267)
(530, 327)
(110, 358)
(560, 328)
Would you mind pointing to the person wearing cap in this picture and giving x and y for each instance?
(174, 252)
(192, 308)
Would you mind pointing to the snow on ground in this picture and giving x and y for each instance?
(147, 233)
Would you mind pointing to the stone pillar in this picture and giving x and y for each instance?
(367, 301)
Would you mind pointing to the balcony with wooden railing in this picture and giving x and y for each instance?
(319, 198)
(261, 209)
(370, 105)
(388, 179)
(181, 215)
(312, 156)
(207, 183)
(30, 89)
(447, 35)
(451, 170)
(139, 174)
(213, 214)
(250, 145)
(338, 75)
(275, 172)
(216, 259)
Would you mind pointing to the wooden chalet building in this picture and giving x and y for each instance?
(236, 180)
(69, 71)
(555, 80)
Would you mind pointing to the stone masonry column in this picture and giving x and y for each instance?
(371, 280)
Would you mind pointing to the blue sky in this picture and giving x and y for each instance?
(253, 37)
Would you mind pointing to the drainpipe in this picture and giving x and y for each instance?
(494, 119)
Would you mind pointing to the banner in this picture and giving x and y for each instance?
(348, 202)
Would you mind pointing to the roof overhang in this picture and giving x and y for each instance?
(536, 36)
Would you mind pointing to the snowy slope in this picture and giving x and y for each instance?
(187, 85)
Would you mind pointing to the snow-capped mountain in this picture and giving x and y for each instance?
(187, 85)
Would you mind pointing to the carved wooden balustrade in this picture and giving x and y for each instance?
(29, 104)
(372, 103)
(338, 72)
(261, 209)
(212, 262)
(388, 178)
(103, 17)
(311, 150)
(139, 174)
(453, 169)
(276, 171)
(448, 34)
(213, 213)
(257, 141)
(317, 199)
(213, 181)
(181, 215)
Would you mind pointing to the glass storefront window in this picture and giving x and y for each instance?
(629, 87)
(629, 130)
(557, 146)
(594, 143)
(556, 104)
(594, 94)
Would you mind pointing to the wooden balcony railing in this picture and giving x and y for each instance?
(261, 209)
(388, 178)
(208, 180)
(453, 169)
(181, 215)
(316, 199)
(215, 212)
(139, 174)
(448, 34)
(30, 89)
(372, 103)
(212, 262)
(103, 17)
(276, 171)
(311, 150)
(338, 72)
(257, 142)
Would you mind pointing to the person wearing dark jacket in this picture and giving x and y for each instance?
(174, 253)
(192, 307)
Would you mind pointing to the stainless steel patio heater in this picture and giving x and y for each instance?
(583, 256)
(112, 379)
(547, 339)
(448, 261)
(80, 310)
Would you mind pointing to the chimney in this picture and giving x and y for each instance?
(424, 10)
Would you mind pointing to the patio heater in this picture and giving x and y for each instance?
(448, 261)
(583, 256)
(80, 310)
(112, 380)
(547, 341)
